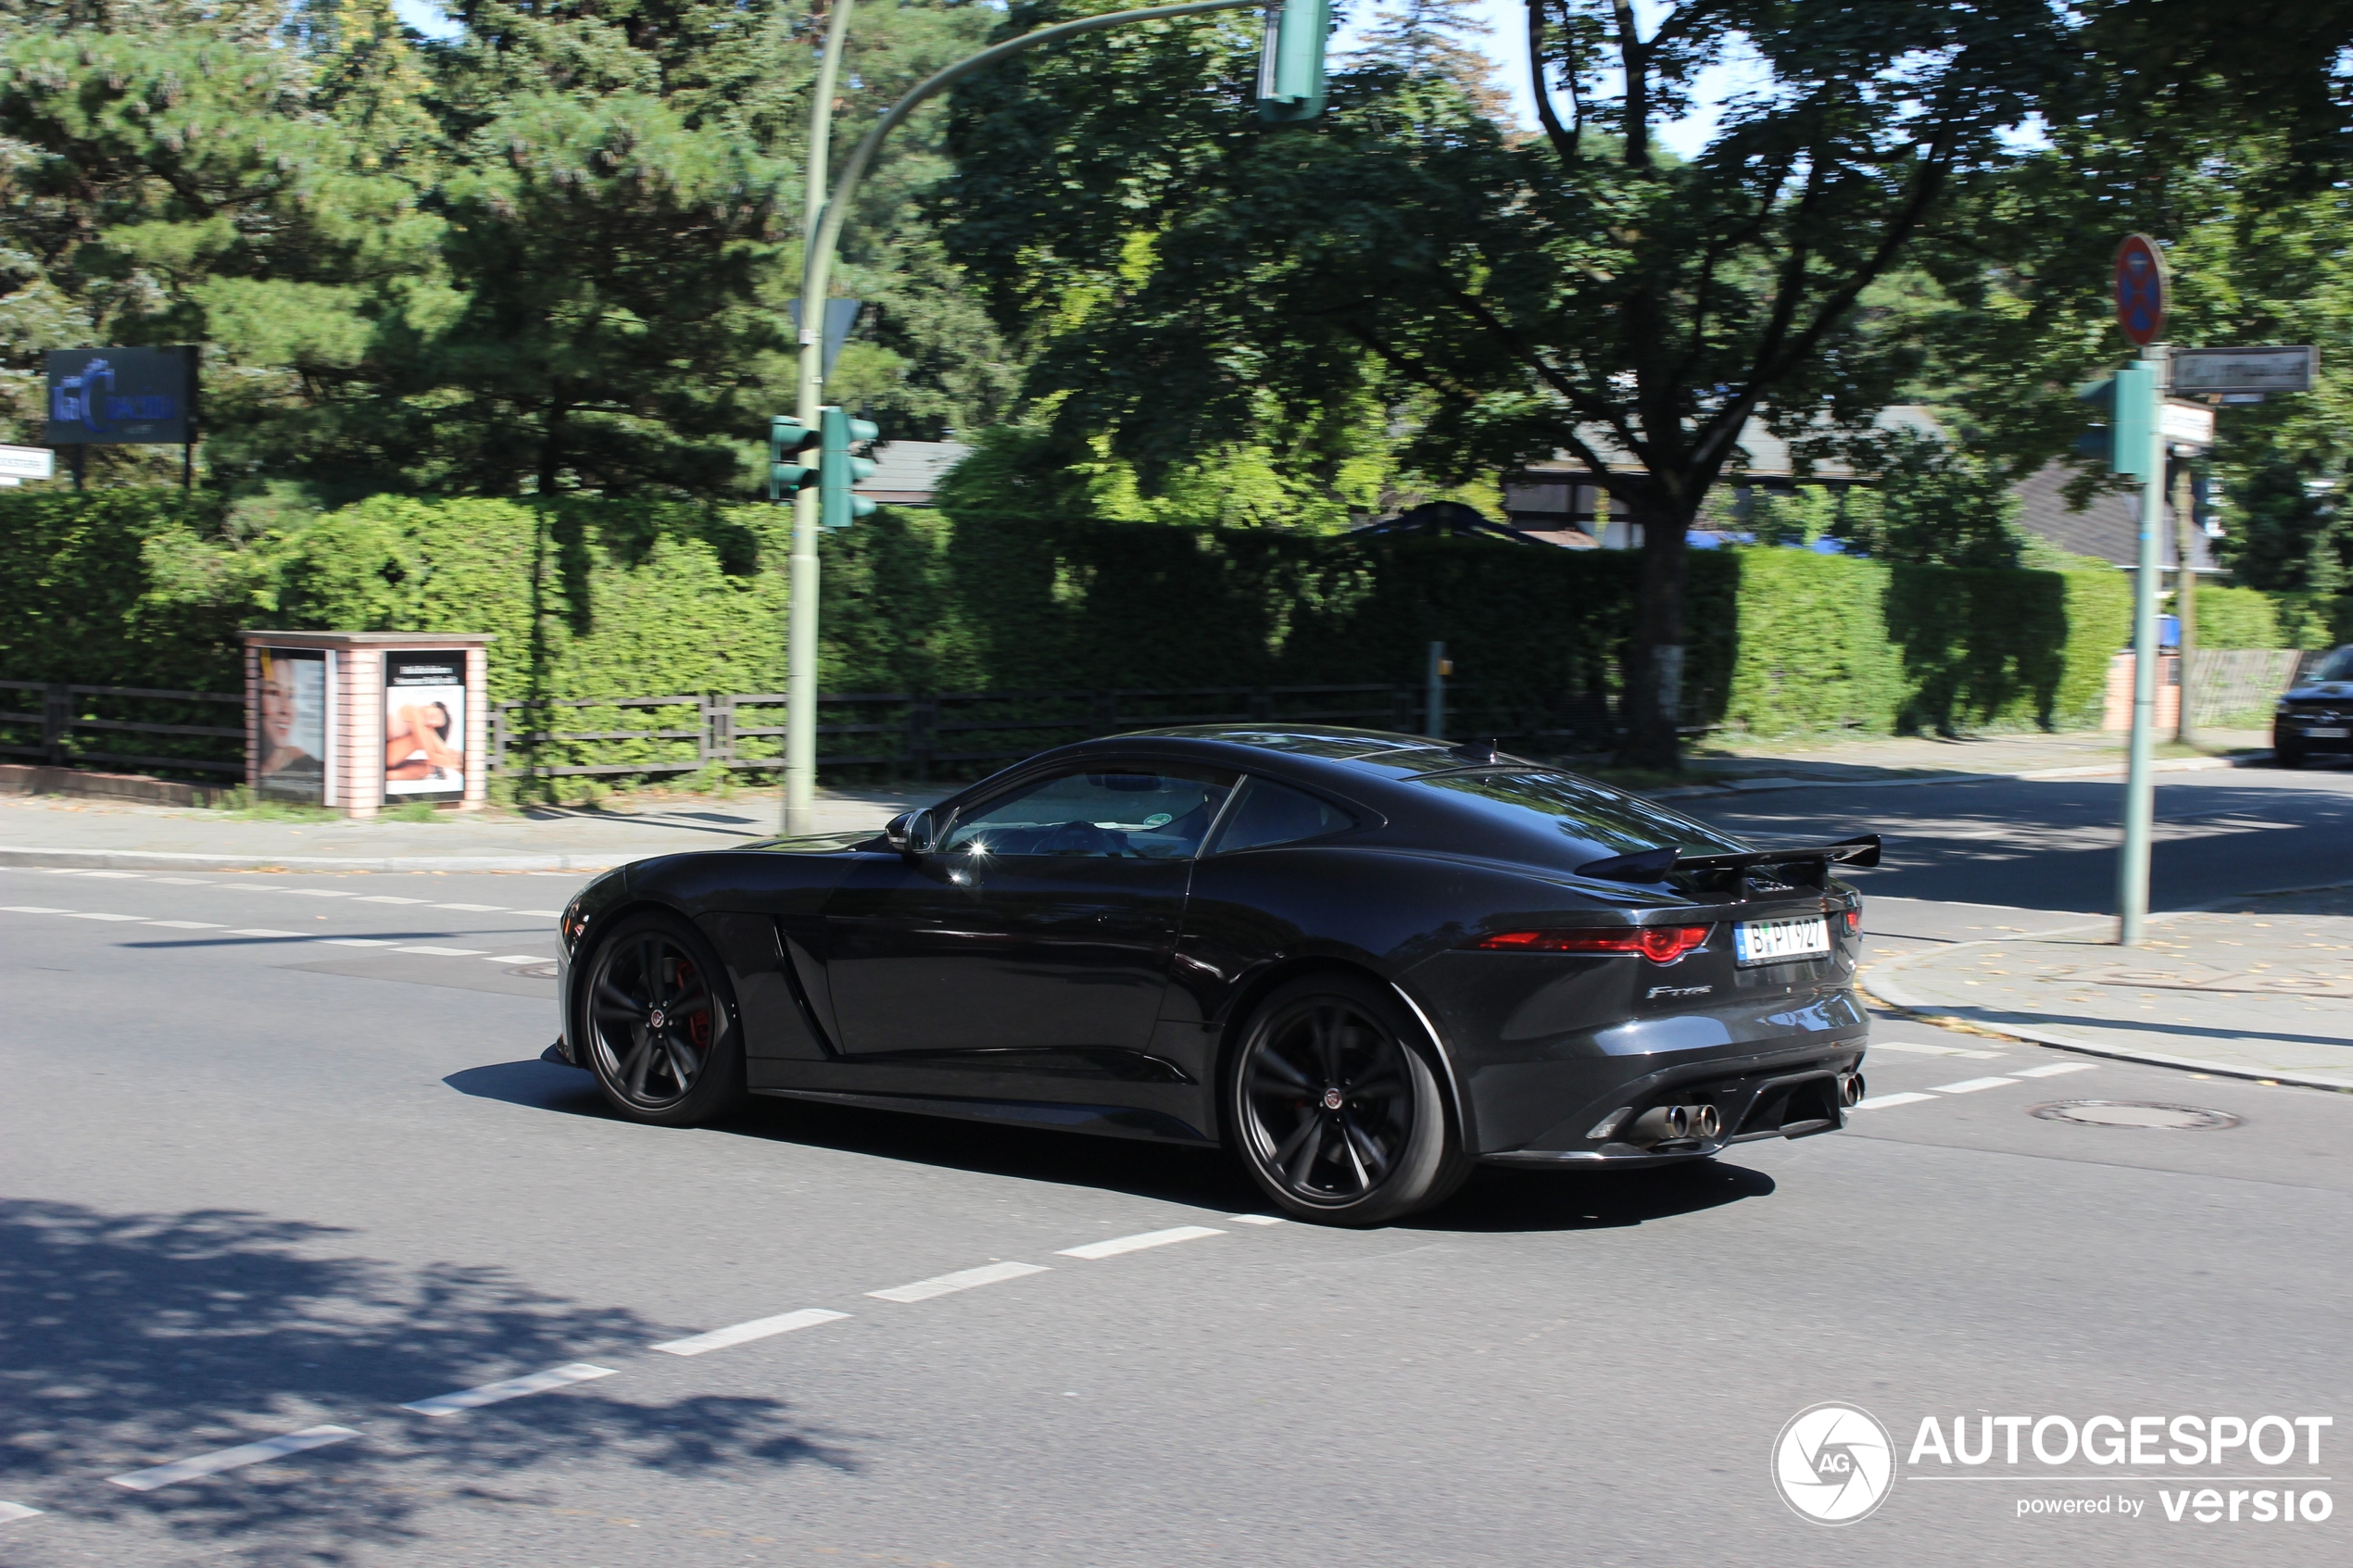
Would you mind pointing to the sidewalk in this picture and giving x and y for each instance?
(2260, 987)
(1745, 763)
(49, 830)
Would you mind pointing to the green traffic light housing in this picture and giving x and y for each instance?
(789, 439)
(2132, 399)
(838, 470)
(1290, 64)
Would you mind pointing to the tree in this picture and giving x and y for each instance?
(1579, 291)
(1426, 38)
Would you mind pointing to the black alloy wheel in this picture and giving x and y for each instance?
(2286, 756)
(660, 1023)
(1336, 1116)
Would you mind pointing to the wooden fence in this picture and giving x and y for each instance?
(75, 726)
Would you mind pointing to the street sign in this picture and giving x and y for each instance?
(2141, 290)
(122, 396)
(2187, 424)
(27, 462)
(2237, 372)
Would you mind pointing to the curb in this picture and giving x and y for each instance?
(1878, 983)
(1759, 786)
(163, 860)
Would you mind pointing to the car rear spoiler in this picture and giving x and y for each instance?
(1657, 865)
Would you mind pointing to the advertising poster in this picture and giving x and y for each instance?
(293, 725)
(424, 726)
(122, 396)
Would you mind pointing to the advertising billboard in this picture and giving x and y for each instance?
(424, 726)
(292, 725)
(122, 396)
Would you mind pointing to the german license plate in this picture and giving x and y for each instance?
(2329, 731)
(1775, 941)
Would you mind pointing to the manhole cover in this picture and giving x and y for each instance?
(535, 970)
(2135, 1114)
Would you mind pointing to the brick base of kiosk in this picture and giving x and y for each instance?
(361, 721)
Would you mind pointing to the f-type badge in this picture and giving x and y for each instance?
(1678, 991)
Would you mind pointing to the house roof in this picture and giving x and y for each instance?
(2108, 528)
(907, 472)
(1762, 455)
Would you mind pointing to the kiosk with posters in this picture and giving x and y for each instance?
(359, 720)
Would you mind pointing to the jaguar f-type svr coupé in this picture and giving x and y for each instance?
(1363, 962)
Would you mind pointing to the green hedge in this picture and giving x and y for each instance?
(607, 599)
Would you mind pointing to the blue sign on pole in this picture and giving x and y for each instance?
(2141, 290)
(122, 396)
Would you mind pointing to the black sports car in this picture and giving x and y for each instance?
(2316, 716)
(1363, 962)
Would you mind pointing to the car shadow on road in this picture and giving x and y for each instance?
(135, 1339)
(1494, 1200)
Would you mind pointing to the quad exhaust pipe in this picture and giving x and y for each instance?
(1669, 1123)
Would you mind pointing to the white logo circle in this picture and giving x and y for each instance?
(1833, 1464)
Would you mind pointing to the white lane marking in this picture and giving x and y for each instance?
(123, 876)
(183, 882)
(359, 941)
(1879, 1102)
(84, 914)
(262, 931)
(1929, 1050)
(1118, 1245)
(475, 909)
(1255, 1219)
(744, 1333)
(544, 914)
(233, 1459)
(188, 924)
(2053, 1070)
(1971, 1085)
(316, 892)
(32, 909)
(517, 957)
(947, 1284)
(443, 952)
(386, 898)
(12, 1511)
(511, 1388)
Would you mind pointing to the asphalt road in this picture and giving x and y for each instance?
(257, 1183)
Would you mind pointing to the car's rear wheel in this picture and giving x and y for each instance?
(1335, 1108)
(657, 1023)
(2286, 756)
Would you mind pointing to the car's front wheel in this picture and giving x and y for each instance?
(1334, 1108)
(2286, 756)
(657, 1020)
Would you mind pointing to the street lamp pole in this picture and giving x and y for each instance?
(824, 213)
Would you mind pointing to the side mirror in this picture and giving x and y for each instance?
(909, 833)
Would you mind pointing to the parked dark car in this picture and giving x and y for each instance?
(2316, 716)
(1363, 962)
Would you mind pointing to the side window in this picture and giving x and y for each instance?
(1117, 814)
(1272, 813)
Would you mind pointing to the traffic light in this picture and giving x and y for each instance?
(2132, 399)
(1290, 63)
(789, 443)
(838, 470)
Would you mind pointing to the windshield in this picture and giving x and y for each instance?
(1583, 811)
(2338, 666)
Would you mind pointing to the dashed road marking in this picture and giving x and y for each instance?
(443, 952)
(2053, 1070)
(1914, 1047)
(744, 1332)
(1118, 1245)
(1971, 1085)
(1255, 1219)
(543, 914)
(260, 930)
(188, 924)
(511, 1388)
(184, 881)
(12, 1511)
(475, 909)
(359, 941)
(126, 877)
(33, 910)
(233, 1459)
(313, 892)
(947, 1284)
(85, 914)
(513, 958)
(1880, 1102)
(386, 898)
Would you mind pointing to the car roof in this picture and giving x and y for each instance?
(1382, 752)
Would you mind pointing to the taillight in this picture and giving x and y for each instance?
(1853, 922)
(1660, 944)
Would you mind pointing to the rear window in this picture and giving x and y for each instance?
(2338, 666)
(1581, 811)
(1272, 813)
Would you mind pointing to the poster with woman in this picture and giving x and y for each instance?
(424, 726)
(292, 723)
